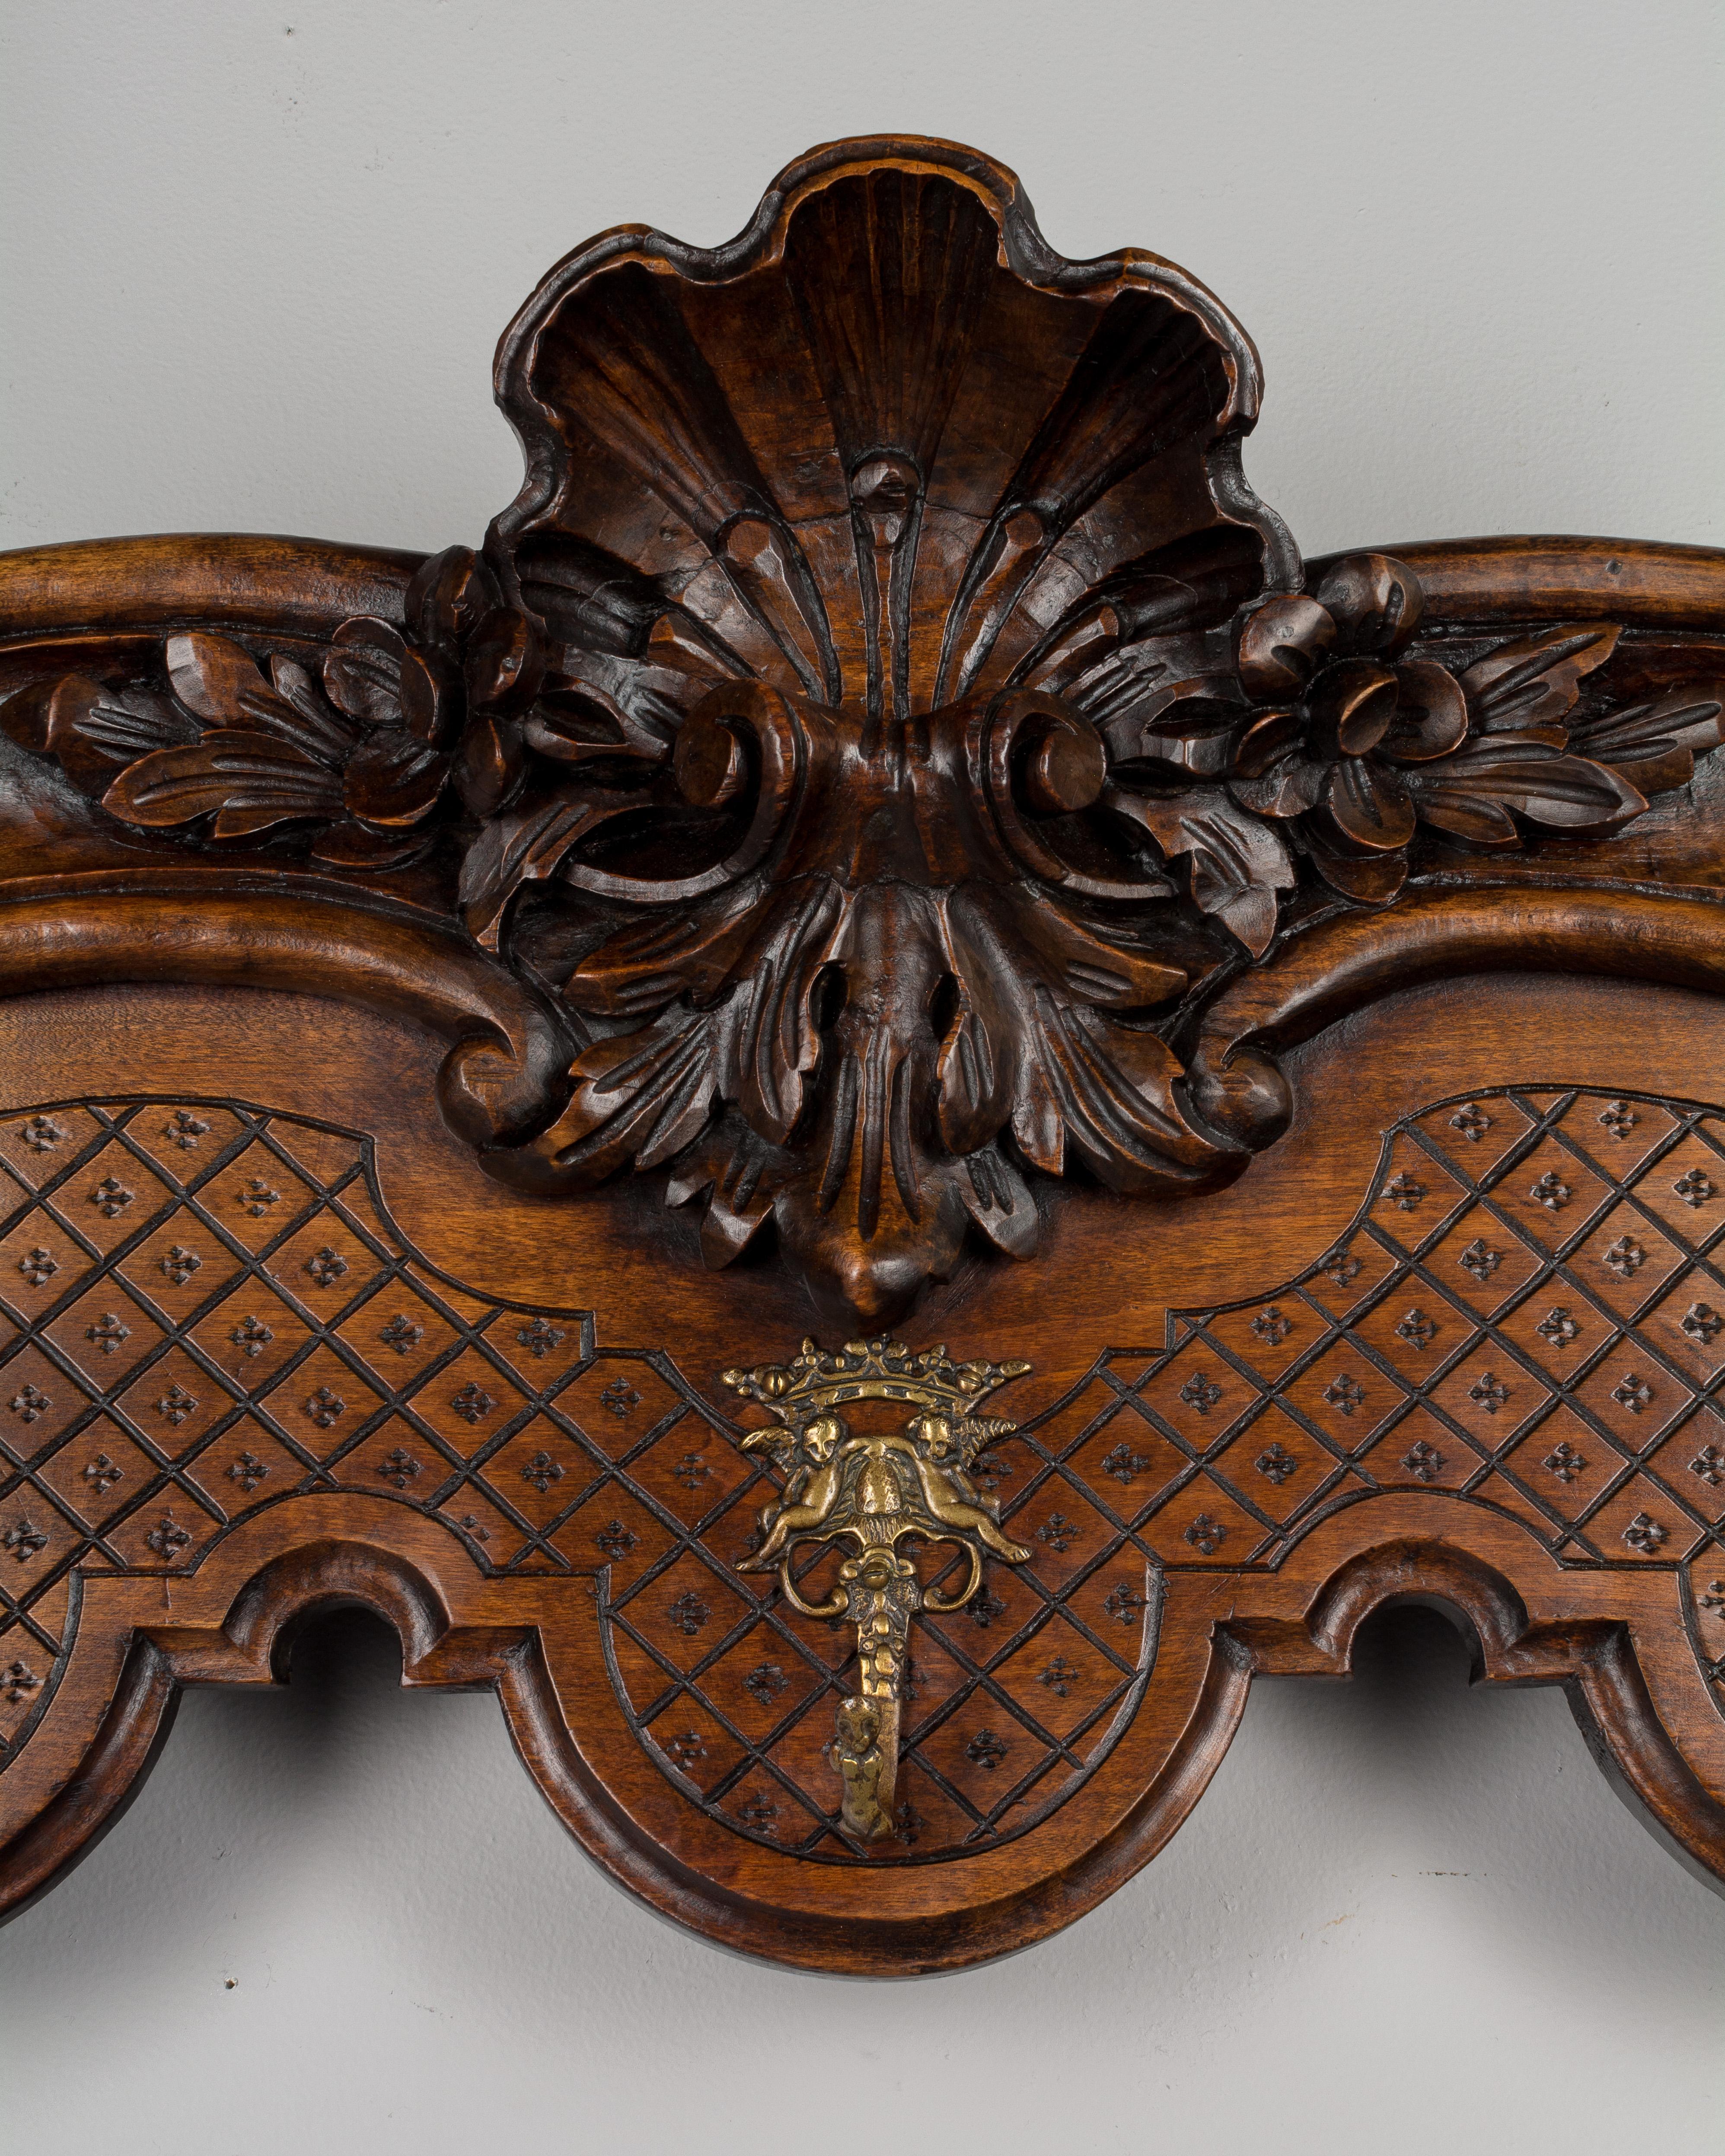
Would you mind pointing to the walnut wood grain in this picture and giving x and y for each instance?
(507, 1046)
(1611, 1631)
(1352, 960)
(876, 755)
(886, 832)
(1504, 579)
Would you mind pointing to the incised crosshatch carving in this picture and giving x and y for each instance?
(551, 1084)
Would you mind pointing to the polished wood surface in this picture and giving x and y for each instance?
(575, 1600)
(886, 836)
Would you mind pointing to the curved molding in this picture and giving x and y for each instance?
(1593, 1658)
(94, 1798)
(507, 1048)
(248, 1640)
(1537, 578)
(1347, 963)
(471, 1471)
(238, 579)
(104, 602)
(887, 784)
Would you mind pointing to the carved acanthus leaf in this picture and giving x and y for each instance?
(1237, 862)
(881, 772)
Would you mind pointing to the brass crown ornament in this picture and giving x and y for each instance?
(876, 1490)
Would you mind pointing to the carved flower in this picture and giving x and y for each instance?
(1310, 728)
(365, 749)
(882, 715)
(1364, 743)
(991, 718)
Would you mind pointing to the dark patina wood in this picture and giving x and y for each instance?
(885, 842)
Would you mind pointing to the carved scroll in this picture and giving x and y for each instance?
(889, 793)
(868, 824)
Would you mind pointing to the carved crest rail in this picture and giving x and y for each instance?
(884, 846)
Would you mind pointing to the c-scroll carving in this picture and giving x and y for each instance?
(882, 729)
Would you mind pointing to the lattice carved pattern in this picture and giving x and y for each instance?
(212, 1312)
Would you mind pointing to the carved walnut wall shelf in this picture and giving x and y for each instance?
(555, 1091)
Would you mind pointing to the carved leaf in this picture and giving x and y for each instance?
(1237, 862)
(28, 715)
(361, 674)
(1030, 1052)
(880, 1207)
(589, 728)
(739, 1175)
(220, 682)
(504, 662)
(325, 732)
(213, 678)
(1193, 584)
(770, 1035)
(1082, 964)
(1373, 878)
(683, 951)
(878, 1272)
(94, 730)
(999, 1200)
(639, 1098)
(247, 780)
(1114, 1091)
(1002, 944)
(1472, 792)
(394, 779)
(1532, 683)
(373, 675)
(526, 845)
(870, 1150)
(490, 764)
(1290, 786)
(1191, 724)
(1430, 714)
(1365, 807)
(975, 1070)
(352, 846)
(1654, 745)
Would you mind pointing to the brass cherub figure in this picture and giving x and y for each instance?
(877, 1490)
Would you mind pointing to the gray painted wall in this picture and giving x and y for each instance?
(255, 260)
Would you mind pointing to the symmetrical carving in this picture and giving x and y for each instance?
(873, 1491)
(885, 777)
(1225, 1446)
(882, 722)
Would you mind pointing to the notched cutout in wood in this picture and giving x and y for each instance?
(1497, 1387)
(889, 783)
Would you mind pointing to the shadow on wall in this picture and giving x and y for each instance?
(351, 1898)
(1404, 1773)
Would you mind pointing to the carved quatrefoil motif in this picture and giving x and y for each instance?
(1050, 1593)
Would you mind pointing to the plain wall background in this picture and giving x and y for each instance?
(256, 257)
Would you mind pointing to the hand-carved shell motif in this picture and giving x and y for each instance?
(882, 723)
(843, 507)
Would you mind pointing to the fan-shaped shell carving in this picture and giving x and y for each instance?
(837, 507)
(885, 449)
(882, 722)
